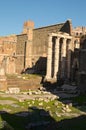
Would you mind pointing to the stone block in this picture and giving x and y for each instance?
(3, 85)
(14, 90)
(2, 72)
(3, 81)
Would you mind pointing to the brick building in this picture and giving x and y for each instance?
(50, 50)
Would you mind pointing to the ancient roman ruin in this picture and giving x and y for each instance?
(56, 51)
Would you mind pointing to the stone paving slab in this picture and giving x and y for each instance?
(8, 102)
(21, 96)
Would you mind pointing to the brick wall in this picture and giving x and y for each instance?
(7, 50)
(31, 46)
(20, 52)
(40, 43)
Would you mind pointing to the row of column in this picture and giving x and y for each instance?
(56, 57)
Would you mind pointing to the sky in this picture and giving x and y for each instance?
(13, 13)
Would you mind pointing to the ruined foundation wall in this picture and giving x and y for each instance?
(7, 51)
(20, 52)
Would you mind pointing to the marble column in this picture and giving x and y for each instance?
(56, 64)
(64, 48)
(69, 60)
(49, 58)
(63, 60)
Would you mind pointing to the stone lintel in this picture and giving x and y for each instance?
(63, 35)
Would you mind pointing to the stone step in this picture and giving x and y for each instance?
(16, 81)
(13, 86)
(23, 83)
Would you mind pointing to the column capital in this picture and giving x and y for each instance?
(57, 37)
(64, 39)
(57, 42)
(64, 43)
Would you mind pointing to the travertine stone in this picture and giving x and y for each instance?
(63, 60)
(69, 59)
(49, 58)
(56, 65)
(3, 81)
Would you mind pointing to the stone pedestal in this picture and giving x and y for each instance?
(3, 80)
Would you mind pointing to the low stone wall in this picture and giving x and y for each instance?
(3, 80)
(24, 83)
(3, 85)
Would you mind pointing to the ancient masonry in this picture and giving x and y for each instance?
(52, 51)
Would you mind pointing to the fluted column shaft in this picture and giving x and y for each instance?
(56, 64)
(49, 58)
(69, 60)
(63, 62)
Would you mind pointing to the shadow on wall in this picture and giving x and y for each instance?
(40, 119)
(38, 68)
(68, 68)
(67, 27)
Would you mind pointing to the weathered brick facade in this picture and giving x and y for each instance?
(21, 52)
(40, 43)
(7, 52)
(30, 48)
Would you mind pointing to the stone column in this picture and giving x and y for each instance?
(28, 55)
(64, 48)
(56, 65)
(69, 60)
(49, 58)
(63, 60)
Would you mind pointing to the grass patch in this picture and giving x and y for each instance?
(33, 108)
(8, 98)
(30, 76)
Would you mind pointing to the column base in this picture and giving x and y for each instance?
(47, 78)
(50, 79)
